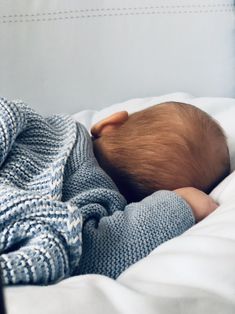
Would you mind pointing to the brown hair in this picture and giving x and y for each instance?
(166, 146)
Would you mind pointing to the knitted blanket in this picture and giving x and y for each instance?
(40, 236)
(61, 214)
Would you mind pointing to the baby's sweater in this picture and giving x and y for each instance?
(61, 214)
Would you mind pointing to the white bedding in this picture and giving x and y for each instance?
(194, 273)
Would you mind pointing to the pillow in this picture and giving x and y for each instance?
(225, 191)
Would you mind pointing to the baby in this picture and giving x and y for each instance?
(173, 147)
(62, 213)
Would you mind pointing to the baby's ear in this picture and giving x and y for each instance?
(109, 124)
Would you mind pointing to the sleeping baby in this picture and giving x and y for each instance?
(72, 204)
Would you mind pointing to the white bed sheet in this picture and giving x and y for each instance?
(193, 273)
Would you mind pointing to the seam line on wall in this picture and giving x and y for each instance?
(66, 15)
(123, 8)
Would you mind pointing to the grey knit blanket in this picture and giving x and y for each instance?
(40, 236)
(60, 213)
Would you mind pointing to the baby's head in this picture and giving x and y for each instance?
(167, 146)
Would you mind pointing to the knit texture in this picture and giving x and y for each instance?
(60, 213)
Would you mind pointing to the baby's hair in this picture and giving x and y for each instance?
(167, 146)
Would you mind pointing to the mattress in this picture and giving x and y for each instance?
(193, 273)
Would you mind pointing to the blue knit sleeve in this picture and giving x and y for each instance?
(113, 243)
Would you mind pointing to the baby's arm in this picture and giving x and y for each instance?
(113, 243)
